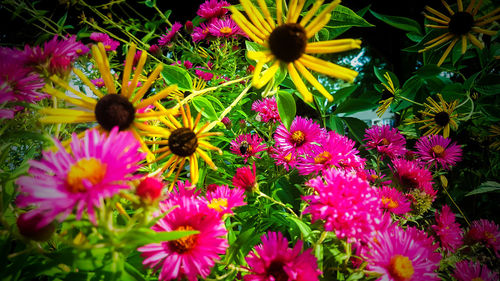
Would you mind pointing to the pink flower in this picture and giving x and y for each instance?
(98, 167)
(388, 141)
(227, 122)
(348, 205)
(155, 50)
(247, 145)
(273, 260)
(448, 231)
(470, 270)
(486, 232)
(436, 149)
(223, 199)
(225, 27)
(187, 64)
(245, 178)
(301, 137)
(184, 189)
(207, 76)
(394, 201)
(287, 159)
(200, 32)
(212, 9)
(109, 44)
(190, 256)
(166, 38)
(376, 179)
(150, 189)
(267, 109)
(99, 82)
(410, 176)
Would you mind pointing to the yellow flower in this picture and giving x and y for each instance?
(495, 133)
(438, 116)
(391, 92)
(286, 41)
(459, 25)
(112, 108)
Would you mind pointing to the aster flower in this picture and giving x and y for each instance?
(223, 199)
(99, 82)
(437, 149)
(224, 27)
(110, 109)
(184, 189)
(287, 159)
(440, 117)
(448, 231)
(399, 254)
(166, 38)
(300, 138)
(394, 201)
(192, 256)
(410, 175)
(376, 179)
(247, 145)
(108, 43)
(97, 167)
(460, 25)
(286, 43)
(245, 178)
(150, 189)
(212, 9)
(200, 32)
(273, 260)
(207, 76)
(388, 141)
(470, 270)
(486, 232)
(267, 110)
(349, 205)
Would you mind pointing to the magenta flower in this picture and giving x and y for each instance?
(473, 271)
(200, 32)
(273, 260)
(301, 137)
(448, 231)
(286, 159)
(98, 167)
(436, 149)
(388, 141)
(394, 201)
(187, 64)
(109, 44)
(184, 189)
(247, 145)
(191, 256)
(348, 205)
(99, 82)
(223, 199)
(225, 27)
(155, 50)
(166, 38)
(267, 109)
(150, 189)
(376, 179)
(410, 176)
(245, 178)
(486, 232)
(207, 76)
(212, 9)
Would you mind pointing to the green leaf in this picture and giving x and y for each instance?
(149, 3)
(149, 236)
(380, 75)
(356, 128)
(206, 108)
(343, 93)
(351, 106)
(345, 17)
(488, 85)
(173, 74)
(489, 186)
(399, 22)
(336, 124)
(252, 46)
(286, 107)
(336, 31)
(429, 70)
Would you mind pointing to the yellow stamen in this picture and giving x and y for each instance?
(91, 170)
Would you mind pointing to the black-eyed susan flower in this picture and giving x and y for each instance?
(460, 25)
(438, 116)
(388, 95)
(286, 40)
(184, 141)
(112, 108)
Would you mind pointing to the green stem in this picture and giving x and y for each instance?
(261, 194)
(409, 100)
(230, 107)
(456, 205)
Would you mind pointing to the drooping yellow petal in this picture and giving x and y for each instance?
(460, 6)
(320, 18)
(99, 55)
(436, 19)
(129, 60)
(265, 11)
(471, 6)
(292, 5)
(268, 74)
(147, 84)
(319, 25)
(206, 158)
(279, 12)
(474, 41)
(254, 33)
(66, 112)
(309, 77)
(162, 94)
(332, 47)
(149, 128)
(464, 44)
(447, 7)
(67, 87)
(58, 94)
(66, 119)
(256, 17)
(149, 155)
(297, 11)
(439, 42)
(484, 31)
(328, 68)
(301, 87)
(437, 13)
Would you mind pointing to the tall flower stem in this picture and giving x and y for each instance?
(456, 205)
(229, 108)
(412, 101)
(261, 194)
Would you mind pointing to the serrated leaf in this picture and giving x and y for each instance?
(286, 108)
(252, 46)
(403, 23)
(206, 108)
(173, 74)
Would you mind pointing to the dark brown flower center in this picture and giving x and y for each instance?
(184, 244)
(461, 23)
(442, 118)
(276, 270)
(183, 142)
(288, 42)
(114, 110)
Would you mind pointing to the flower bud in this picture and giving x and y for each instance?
(150, 189)
(27, 224)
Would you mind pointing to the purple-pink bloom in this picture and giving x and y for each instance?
(200, 32)
(376, 179)
(394, 201)
(486, 232)
(267, 110)
(99, 82)
(246, 179)
(449, 232)
(303, 135)
(223, 199)
(287, 159)
(436, 149)
(248, 145)
(166, 38)
(473, 271)
(225, 27)
(207, 76)
(410, 176)
(109, 44)
(212, 9)
(386, 140)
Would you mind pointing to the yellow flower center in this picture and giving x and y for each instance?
(217, 204)
(298, 137)
(391, 204)
(401, 268)
(490, 236)
(438, 150)
(226, 30)
(374, 177)
(477, 279)
(385, 141)
(322, 157)
(89, 169)
(184, 244)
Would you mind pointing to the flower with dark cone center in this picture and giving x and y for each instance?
(442, 118)
(184, 244)
(298, 138)
(288, 42)
(461, 23)
(183, 142)
(114, 110)
(276, 270)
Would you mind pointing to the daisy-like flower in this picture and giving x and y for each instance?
(349, 205)
(400, 254)
(108, 43)
(112, 108)
(439, 117)
(273, 260)
(267, 110)
(411, 176)
(460, 25)
(192, 256)
(287, 159)
(98, 167)
(486, 232)
(303, 135)
(246, 179)
(470, 270)
(223, 199)
(166, 38)
(449, 232)
(200, 32)
(287, 43)
(207, 76)
(212, 9)
(388, 141)
(388, 95)
(376, 179)
(247, 145)
(437, 149)
(183, 142)
(98, 82)
(224, 27)
(394, 201)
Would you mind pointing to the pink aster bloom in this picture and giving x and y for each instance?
(436, 149)
(394, 201)
(187, 64)
(109, 44)
(400, 254)
(98, 167)
(247, 145)
(200, 32)
(99, 82)
(348, 205)
(166, 38)
(225, 27)
(301, 137)
(376, 179)
(223, 199)
(333, 151)
(212, 9)
(245, 178)
(267, 109)
(207, 76)
(486, 232)
(470, 270)
(388, 141)
(273, 260)
(286, 159)
(448, 231)
(184, 189)
(192, 256)
(410, 176)
(155, 50)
